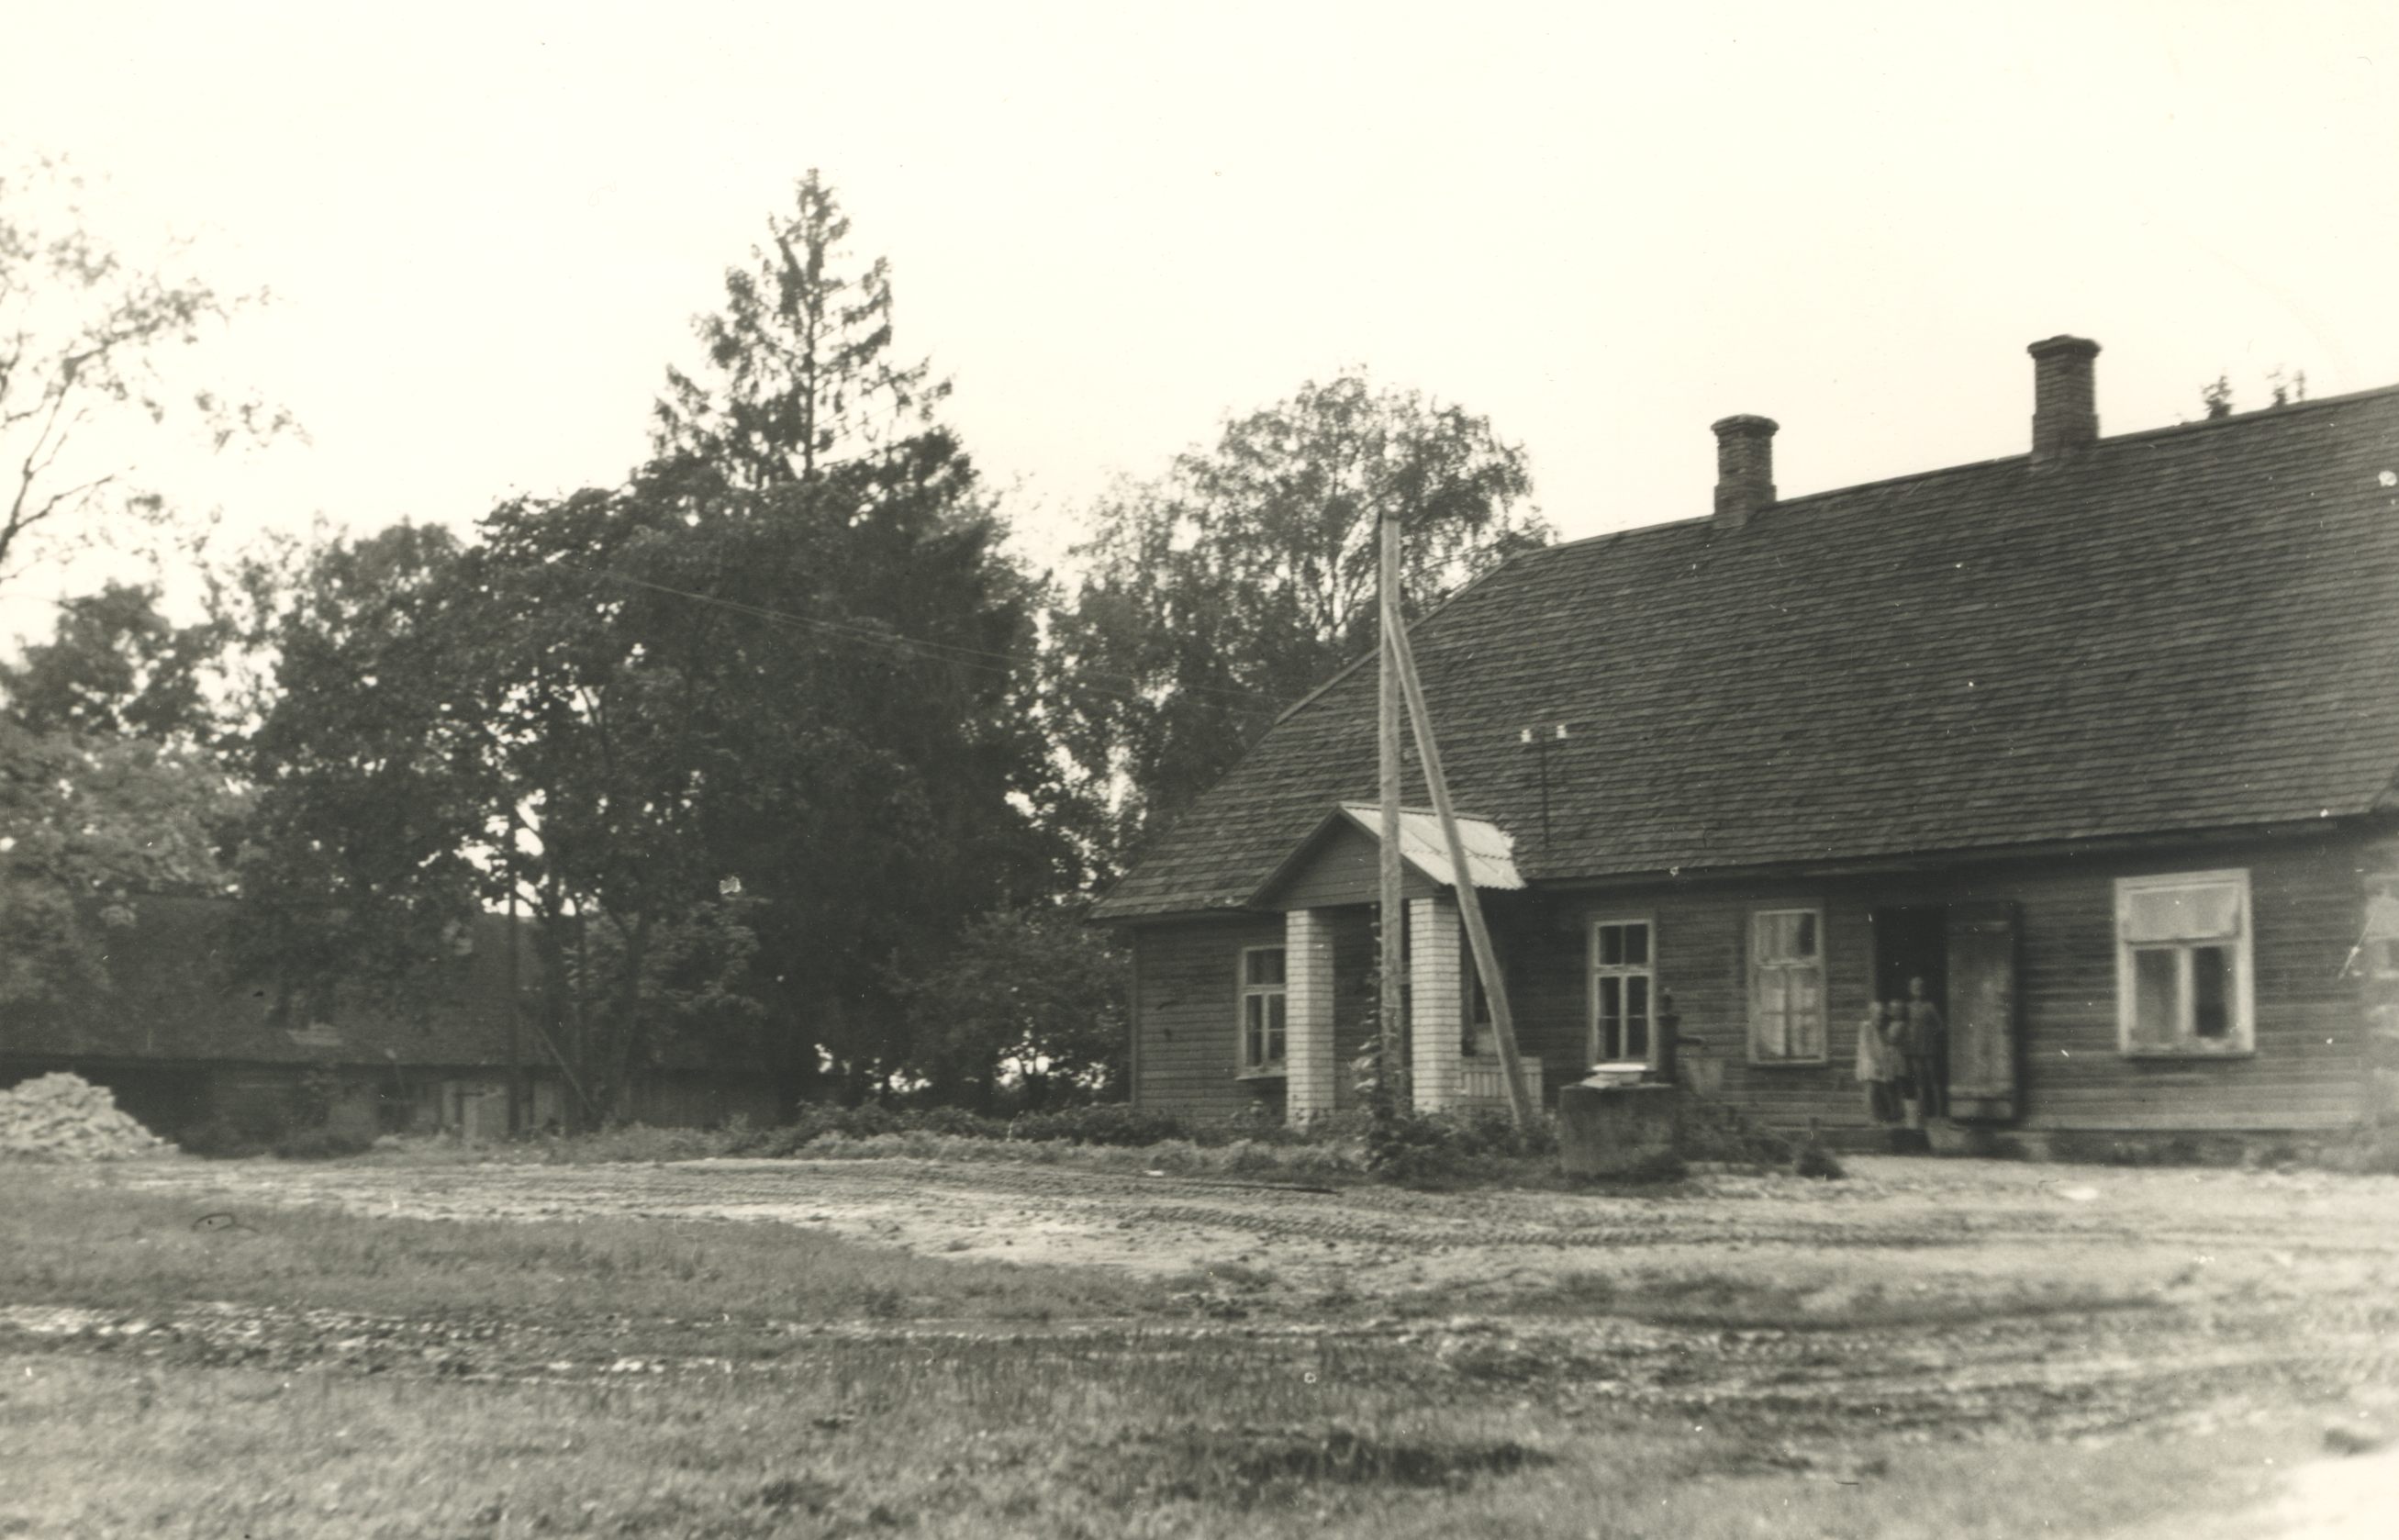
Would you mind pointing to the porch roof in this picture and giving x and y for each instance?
(1490, 856)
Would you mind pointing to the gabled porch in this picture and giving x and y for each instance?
(1451, 1061)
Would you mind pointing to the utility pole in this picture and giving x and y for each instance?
(1394, 901)
(1470, 904)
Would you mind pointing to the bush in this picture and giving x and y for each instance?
(1712, 1131)
(1416, 1147)
(1411, 1147)
(1103, 1123)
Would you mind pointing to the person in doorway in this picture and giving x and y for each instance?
(1879, 1066)
(1928, 1051)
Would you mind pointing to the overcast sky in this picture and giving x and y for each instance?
(487, 226)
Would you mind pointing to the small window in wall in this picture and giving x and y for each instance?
(1263, 1003)
(2182, 963)
(1786, 986)
(1623, 991)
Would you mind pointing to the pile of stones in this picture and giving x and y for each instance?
(67, 1117)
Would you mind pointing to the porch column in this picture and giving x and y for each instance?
(1436, 1003)
(1308, 1062)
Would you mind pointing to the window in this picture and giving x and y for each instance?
(2182, 963)
(1623, 984)
(1263, 1007)
(1786, 986)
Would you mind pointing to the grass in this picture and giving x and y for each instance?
(1329, 1159)
(1798, 1297)
(632, 1377)
(63, 1241)
(984, 1442)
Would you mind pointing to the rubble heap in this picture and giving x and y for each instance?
(66, 1117)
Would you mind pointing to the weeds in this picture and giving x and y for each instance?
(1006, 1441)
(64, 1240)
(1415, 1149)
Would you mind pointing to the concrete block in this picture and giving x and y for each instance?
(1616, 1130)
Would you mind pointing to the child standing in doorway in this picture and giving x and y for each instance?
(1880, 1064)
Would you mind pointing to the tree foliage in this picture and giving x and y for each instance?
(799, 371)
(749, 735)
(367, 849)
(1031, 997)
(85, 336)
(117, 667)
(106, 790)
(1219, 593)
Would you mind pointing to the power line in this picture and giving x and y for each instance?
(955, 651)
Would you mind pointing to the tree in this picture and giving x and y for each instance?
(106, 792)
(1033, 997)
(751, 736)
(925, 774)
(1218, 594)
(85, 339)
(857, 643)
(368, 845)
(747, 757)
(797, 358)
(117, 667)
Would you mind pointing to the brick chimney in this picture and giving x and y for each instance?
(1744, 468)
(2065, 409)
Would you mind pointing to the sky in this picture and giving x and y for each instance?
(487, 227)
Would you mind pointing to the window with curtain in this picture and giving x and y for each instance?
(2182, 963)
(1786, 985)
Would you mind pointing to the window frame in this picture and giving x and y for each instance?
(1595, 970)
(1243, 991)
(1821, 965)
(2241, 999)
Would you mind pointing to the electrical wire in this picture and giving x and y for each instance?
(953, 652)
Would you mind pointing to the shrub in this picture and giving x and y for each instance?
(1411, 1147)
(1712, 1131)
(1103, 1123)
(1415, 1147)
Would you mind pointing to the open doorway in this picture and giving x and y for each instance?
(1911, 942)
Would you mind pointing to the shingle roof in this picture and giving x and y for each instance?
(2194, 628)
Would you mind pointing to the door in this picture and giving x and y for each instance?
(1911, 941)
(1982, 1048)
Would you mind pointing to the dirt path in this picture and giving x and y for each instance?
(1920, 1299)
(2231, 1235)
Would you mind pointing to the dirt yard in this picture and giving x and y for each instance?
(1919, 1303)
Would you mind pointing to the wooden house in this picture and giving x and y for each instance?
(184, 1042)
(2100, 741)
